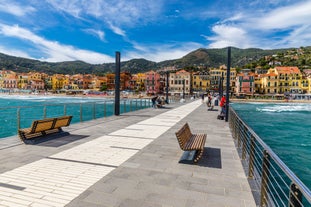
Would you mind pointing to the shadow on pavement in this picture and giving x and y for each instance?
(58, 140)
(211, 158)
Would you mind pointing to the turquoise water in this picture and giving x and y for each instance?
(30, 108)
(286, 129)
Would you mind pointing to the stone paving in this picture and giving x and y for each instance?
(127, 160)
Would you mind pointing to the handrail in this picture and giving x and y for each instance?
(297, 188)
(21, 116)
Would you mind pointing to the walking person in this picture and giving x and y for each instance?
(223, 106)
(154, 99)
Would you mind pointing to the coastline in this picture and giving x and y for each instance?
(75, 95)
(269, 101)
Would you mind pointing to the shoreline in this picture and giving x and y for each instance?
(233, 100)
(269, 101)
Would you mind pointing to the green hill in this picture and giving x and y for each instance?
(240, 58)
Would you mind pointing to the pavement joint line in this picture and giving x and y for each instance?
(15, 187)
(82, 162)
(117, 135)
(125, 148)
(134, 129)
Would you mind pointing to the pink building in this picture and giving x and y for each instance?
(153, 82)
(245, 83)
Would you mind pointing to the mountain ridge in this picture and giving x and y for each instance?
(200, 57)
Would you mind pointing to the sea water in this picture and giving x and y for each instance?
(22, 110)
(286, 129)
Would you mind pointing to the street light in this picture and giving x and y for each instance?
(183, 89)
(220, 87)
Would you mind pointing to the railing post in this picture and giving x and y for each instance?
(145, 104)
(105, 109)
(141, 104)
(240, 134)
(65, 109)
(124, 110)
(94, 111)
(44, 112)
(295, 196)
(131, 105)
(18, 118)
(251, 158)
(136, 105)
(114, 106)
(235, 127)
(264, 179)
(244, 145)
(81, 113)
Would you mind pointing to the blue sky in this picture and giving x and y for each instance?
(157, 30)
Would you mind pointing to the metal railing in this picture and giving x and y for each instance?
(274, 182)
(16, 117)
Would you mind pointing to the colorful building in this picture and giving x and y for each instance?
(245, 83)
(180, 83)
(153, 82)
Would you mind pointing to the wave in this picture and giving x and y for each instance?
(277, 108)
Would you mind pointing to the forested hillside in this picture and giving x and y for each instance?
(240, 58)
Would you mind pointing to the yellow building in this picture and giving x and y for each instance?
(23, 81)
(269, 82)
(306, 81)
(59, 81)
(218, 76)
(283, 80)
(140, 81)
(200, 82)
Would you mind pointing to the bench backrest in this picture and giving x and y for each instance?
(183, 135)
(62, 121)
(42, 125)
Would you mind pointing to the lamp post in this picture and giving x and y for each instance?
(117, 85)
(166, 87)
(183, 89)
(220, 88)
(228, 83)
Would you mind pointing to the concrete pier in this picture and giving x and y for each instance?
(127, 160)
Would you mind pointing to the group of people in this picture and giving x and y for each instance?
(158, 102)
(211, 100)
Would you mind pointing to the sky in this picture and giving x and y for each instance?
(94, 30)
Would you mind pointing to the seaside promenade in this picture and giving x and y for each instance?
(129, 160)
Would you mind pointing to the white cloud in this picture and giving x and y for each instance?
(13, 52)
(116, 30)
(265, 26)
(298, 37)
(54, 51)
(226, 35)
(286, 17)
(15, 9)
(116, 14)
(163, 52)
(98, 33)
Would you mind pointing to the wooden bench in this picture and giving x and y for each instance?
(40, 128)
(192, 144)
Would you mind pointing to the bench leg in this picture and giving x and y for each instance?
(198, 155)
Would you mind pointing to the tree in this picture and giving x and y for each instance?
(103, 87)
